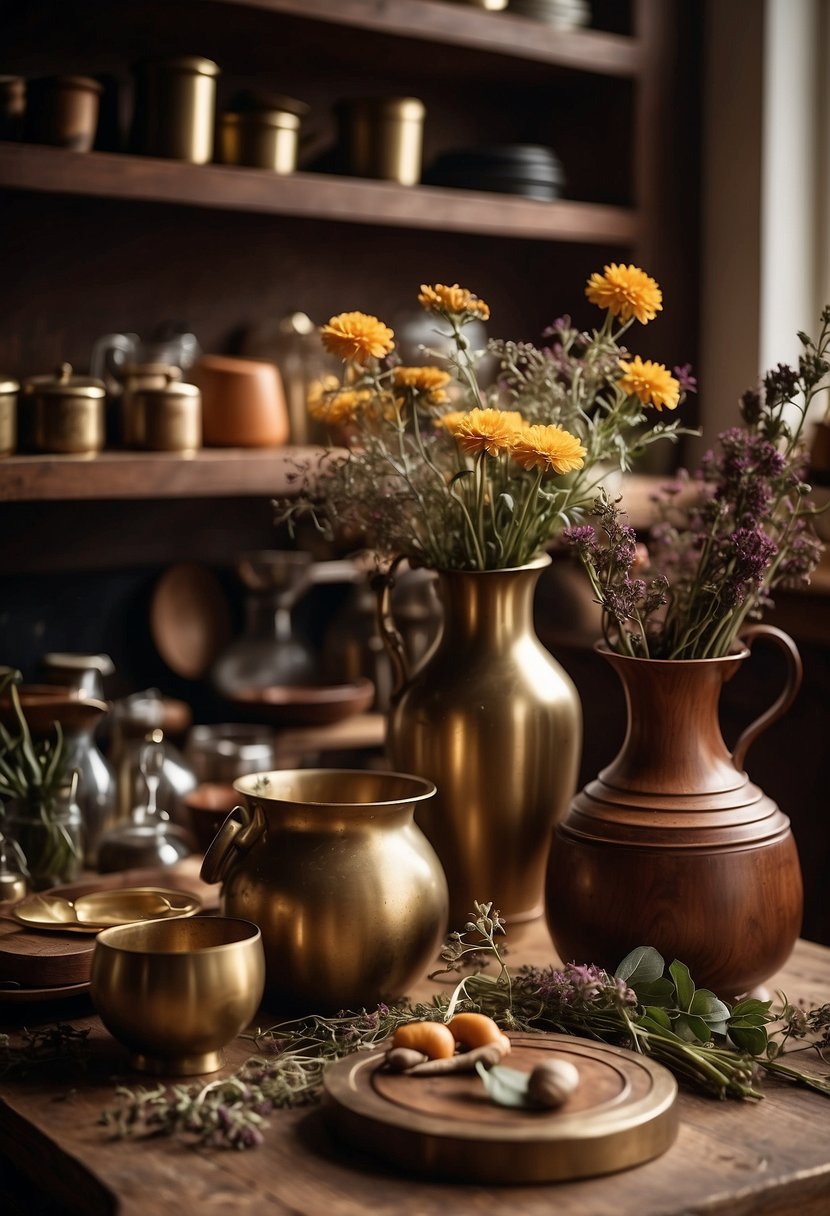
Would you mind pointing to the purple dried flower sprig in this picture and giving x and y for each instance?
(724, 541)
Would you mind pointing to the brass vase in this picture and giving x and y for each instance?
(348, 893)
(673, 846)
(495, 722)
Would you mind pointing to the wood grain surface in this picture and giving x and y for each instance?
(770, 1158)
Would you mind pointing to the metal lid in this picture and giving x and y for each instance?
(9, 386)
(387, 107)
(195, 64)
(62, 382)
(261, 118)
(172, 388)
(88, 83)
(251, 102)
(79, 662)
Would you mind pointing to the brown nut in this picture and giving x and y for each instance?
(552, 1083)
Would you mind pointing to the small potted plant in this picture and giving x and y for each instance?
(39, 810)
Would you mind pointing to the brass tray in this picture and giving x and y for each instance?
(98, 910)
(622, 1114)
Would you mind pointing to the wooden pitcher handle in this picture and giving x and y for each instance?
(794, 674)
(236, 834)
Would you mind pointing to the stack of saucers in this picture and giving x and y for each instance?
(526, 169)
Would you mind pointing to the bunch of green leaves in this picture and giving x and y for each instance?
(31, 772)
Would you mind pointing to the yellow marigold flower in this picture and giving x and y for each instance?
(318, 390)
(357, 336)
(626, 291)
(548, 447)
(490, 431)
(451, 419)
(455, 299)
(651, 382)
(430, 381)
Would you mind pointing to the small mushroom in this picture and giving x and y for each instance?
(552, 1083)
(401, 1059)
(463, 1061)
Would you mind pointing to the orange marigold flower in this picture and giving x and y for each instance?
(490, 431)
(548, 447)
(626, 291)
(333, 405)
(430, 381)
(451, 419)
(651, 382)
(357, 336)
(455, 299)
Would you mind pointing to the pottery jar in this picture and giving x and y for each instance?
(348, 893)
(66, 412)
(672, 846)
(243, 402)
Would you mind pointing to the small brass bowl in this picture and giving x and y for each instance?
(176, 992)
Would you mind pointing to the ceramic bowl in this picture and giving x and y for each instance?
(176, 992)
(243, 402)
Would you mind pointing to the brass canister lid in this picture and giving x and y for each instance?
(62, 383)
(173, 388)
(8, 386)
(261, 118)
(87, 84)
(409, 108)
(196, 65)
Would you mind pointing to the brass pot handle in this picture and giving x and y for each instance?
(237, 833)
(795, 672)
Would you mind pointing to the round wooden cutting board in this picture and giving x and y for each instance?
(622, 1114)
(44, 960)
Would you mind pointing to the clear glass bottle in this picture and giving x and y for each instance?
(49, 834)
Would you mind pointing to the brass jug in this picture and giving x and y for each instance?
(495, 722)
(349, 896)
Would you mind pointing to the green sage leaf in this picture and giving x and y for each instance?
(506, 1086)
(655, 992)
(749, 1038)
(643, 964)
(709, 1007)
(684, 984)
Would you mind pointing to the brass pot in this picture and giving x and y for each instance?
(382, 137)
(495, 722)
(164, 417)
(66, 412)
(8, 416)
(349, 895)
(175, 107)
(262, 139)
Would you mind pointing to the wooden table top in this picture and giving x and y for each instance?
(745, 1159)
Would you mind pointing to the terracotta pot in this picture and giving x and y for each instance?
(495, 722)
(243, 402)
(673, 846)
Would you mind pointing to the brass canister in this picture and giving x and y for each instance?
(63, 110)
(383, 137)
(66, 412)
(133, 378)
(8, 416)
(175, 107)
(167, 418)
(263, 139)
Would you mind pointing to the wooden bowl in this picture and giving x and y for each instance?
(208, 806)
(306, 704)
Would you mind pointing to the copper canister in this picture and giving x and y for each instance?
(175, 108)
(383, 137)
(67, 412)
(167, 419)
(8, 416)
(263, 139)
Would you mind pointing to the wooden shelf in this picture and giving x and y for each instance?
(313, 195)
(211, 473)
(502, 33)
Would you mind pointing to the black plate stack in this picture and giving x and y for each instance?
(527, 169)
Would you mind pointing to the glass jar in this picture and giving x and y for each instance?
(49, 834)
